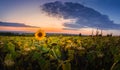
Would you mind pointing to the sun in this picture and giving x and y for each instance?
(40, 34)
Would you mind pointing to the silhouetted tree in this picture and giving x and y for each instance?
(80, 34)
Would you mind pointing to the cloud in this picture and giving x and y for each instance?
(86, 17)
(70, 29)
(13, 24)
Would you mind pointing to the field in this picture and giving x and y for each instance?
(59, 53)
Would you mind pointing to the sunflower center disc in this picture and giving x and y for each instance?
(39, 34)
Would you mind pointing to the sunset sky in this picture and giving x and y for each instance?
(30, 13)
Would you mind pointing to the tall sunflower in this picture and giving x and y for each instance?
(40, 34)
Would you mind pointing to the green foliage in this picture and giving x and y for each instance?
(60, 53)
(66, 66)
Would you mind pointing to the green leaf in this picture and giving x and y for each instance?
(66, 66)
(11, 47)
(58, 52)
(71, 54)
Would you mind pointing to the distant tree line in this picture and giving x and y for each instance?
(52, 34)
(15, 34)
(32, 34)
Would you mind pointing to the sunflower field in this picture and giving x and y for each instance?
(59, 53)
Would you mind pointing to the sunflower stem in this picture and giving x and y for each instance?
(112, 67)
(39, 42)
(54, 53)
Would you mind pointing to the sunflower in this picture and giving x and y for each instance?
(40, 34)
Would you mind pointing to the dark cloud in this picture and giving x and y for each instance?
(70, 28)
(86, 17)
(13, 24)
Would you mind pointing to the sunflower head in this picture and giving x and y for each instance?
(40, 34)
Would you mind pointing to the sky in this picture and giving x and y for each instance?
(29, 12)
